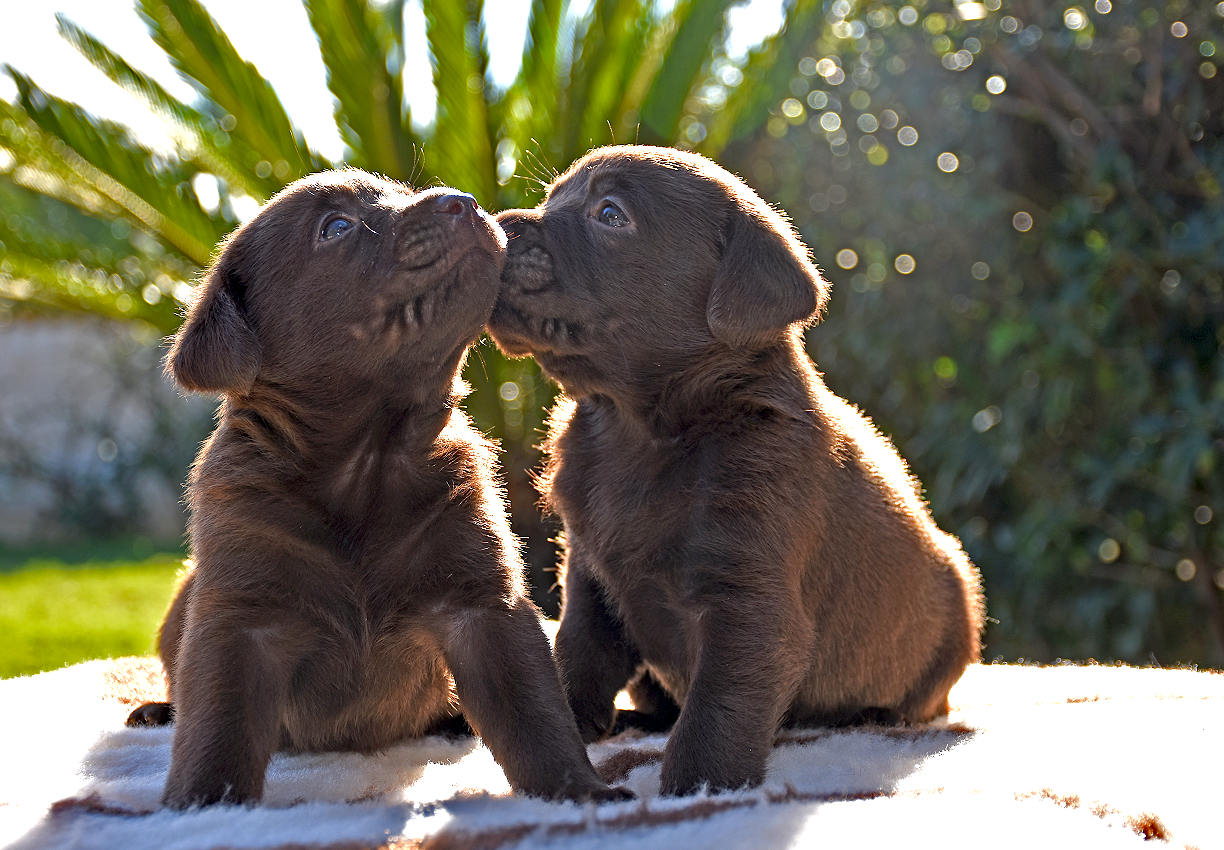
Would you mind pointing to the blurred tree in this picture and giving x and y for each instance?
(96, 221)
(1020, 203)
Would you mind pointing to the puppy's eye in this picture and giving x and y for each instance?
(611, 215)
(334, 226)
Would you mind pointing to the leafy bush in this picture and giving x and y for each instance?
(1020, 206)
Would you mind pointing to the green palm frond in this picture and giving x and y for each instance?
(362, 54)
(697, 27)
(529, 111)
(199, 134)
(246, 104)
(460, 152)
(103, 156)
(58, 259)
(73, 288)
(40, 163)
(608, 46)
(768, 71)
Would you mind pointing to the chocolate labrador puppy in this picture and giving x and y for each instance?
(732, 528)
(355, 577)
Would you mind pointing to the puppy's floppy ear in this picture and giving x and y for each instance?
(216, 349)
(766, 280)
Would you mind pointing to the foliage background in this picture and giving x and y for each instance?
(1018, 202)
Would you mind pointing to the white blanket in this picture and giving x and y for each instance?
(1034, 757)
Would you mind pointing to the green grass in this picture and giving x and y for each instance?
(68, 608)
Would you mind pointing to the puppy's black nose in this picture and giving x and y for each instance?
(456, 203)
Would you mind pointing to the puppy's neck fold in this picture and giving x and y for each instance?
(328, 428)
(715, 385)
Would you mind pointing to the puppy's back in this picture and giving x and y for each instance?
(887, 583)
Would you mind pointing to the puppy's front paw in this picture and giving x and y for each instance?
(682, 779)
(151, 714)
(592, 793)
(613, 794)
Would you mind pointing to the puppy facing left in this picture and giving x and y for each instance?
(355, 579)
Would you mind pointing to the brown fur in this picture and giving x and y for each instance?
(733, 530)
(355, 578)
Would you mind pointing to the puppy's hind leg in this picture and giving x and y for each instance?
(653, 708)
(151, 714)
(509, 690)
(168, 638)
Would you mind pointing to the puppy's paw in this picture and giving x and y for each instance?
(151, 714)
(613, 794)
(642, 721)
(594, 721)
(601, 794)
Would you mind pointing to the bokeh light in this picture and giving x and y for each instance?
(1109, 550)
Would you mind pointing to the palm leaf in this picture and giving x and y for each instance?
(528, 114)
(612, 50)
(39, 164)
(697, 24)
(54, 285)
(460, 152)
(358, 42)
(56, 258)
(767, 72)
(199, 134)
(246, 103)
(104, 156)
(601, 54)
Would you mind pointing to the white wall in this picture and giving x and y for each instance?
(93, 438)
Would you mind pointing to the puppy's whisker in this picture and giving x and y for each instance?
(532, 182)
(479, 353)
(418, 163)
(546, 173)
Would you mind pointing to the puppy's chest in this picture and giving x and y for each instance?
(383, 517)
(640, 510)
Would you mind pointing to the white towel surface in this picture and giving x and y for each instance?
(1031, 757)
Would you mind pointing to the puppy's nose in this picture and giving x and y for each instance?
(457, 204)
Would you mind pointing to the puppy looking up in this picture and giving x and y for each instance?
(733, 530)
(354, 569)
